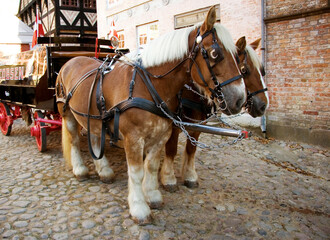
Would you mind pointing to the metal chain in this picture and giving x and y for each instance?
(193, 141)
(194, 91)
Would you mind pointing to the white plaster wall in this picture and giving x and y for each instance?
(157, 12)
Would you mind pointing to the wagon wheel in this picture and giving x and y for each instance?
(39, 132)
(5, 119)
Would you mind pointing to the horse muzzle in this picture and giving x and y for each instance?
(256, 107)
(234, 99)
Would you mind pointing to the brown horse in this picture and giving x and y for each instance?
(257, 103)
(180, 56)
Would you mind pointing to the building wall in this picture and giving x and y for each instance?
(60, 18)
(128, 14)
(298, 71)
(25, 47)
(276, 8)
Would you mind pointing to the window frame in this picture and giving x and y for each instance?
(70, 3)
(89, 4)
(147, 37)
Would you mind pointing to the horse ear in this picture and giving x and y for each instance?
(241, 44)
(255, 44)
(209, 21)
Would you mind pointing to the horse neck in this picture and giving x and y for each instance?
(170, 85)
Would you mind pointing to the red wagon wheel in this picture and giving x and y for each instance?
(39, 132)
(6, 120)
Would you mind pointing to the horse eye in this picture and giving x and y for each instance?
(243, 70)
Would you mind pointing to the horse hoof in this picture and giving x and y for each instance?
(143, 222)
(107, 179)
(171, 188)
(156, 205)
(191, 184)
(82, 178)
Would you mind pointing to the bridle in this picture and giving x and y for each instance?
(245, 70)
(217, 56)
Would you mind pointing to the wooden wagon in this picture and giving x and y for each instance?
(27, 82)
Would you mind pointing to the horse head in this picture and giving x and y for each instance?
(253, 72)
(214, 68)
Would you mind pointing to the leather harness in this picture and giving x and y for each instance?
(201, 106)
(156, 106)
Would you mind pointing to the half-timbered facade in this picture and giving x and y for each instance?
(61, 17)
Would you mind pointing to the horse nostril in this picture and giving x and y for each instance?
(263, 108)
(239, 103)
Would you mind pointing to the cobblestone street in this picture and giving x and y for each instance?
(256, 189)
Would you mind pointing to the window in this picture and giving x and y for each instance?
(146, 33)
(121, 38)
(70, 3)
(191, 18)
(113, 2)
(90, 4)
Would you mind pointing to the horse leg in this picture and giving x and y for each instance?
(138, 207)
(102, 166)
(167, 173)
(71, 147)
(150, 181)
(188, 172)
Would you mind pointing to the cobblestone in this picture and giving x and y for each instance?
(257, 189)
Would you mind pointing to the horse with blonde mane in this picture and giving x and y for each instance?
(193, 108)
(128, 99)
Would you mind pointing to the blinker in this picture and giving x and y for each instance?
(262, 71)
(244, 70)
(215, 53)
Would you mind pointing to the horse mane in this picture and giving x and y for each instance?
(226, 38)
(254, 57)
(174, 45)
(257, 64)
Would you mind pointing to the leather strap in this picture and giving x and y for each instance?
(250, 95)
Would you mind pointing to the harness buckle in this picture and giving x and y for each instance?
(161, 105)
(204, 53)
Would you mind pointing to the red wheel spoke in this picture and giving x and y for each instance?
(39, 132)
(6, 120)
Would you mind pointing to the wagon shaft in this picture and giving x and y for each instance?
(216, 130)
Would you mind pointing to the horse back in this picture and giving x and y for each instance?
(74, 69)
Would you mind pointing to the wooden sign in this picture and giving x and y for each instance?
(191, 18)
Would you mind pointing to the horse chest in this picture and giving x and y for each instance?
(155, 130)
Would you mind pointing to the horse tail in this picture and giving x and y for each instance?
(66, 144)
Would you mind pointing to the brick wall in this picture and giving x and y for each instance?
(242, 18)
(279, 7)
(25, 47)
(298, 72)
